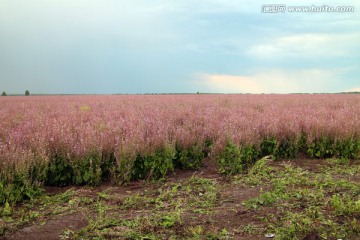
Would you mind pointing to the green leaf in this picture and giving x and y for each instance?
(87, 176)
(7, 209)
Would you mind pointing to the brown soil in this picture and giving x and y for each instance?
(230, 213)
(51, 229)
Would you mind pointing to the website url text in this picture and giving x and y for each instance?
(282, 8)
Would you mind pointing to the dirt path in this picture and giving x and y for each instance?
(51, 229)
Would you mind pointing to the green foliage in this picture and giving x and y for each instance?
(250, 155)
(346, 205)
(95, 167)
(286, 148)
(258, 174)
(261, 167)
(192, 157)
(230, 161)
(322, 148)
(27, 93)
(293, 203)
(234, 159)
(154, 166)
(340, 161)
(62, 172)
(7, 209)
(17, 188)
(327, 147)
(4, 94)
(203, 192)
(37, 171)
(108, 165)
(169, 220)
(309, 204)
(348, 148)
(302, 143)
(297, 227)
(59, 171)
(123, 168)
(194, 192)
(268, 146)
(88, 170)
(265, 199)
(159, 213)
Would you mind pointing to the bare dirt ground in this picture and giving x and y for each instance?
(51, 229)
(211, 207)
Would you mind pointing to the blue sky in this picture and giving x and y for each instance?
(141, 46)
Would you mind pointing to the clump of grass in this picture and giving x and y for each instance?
(308, 203)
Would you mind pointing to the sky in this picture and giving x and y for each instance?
(182, 46)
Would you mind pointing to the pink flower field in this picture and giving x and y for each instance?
(122, 137)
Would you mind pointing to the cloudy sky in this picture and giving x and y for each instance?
(142, 46)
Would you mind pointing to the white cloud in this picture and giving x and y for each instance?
(306, 45)
(230, 83)
(356, 89)
(272, 81)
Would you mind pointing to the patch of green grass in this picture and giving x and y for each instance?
(158, 213)
(342, 167)
(40, 209)
(257, 175)
(346, 205)
(309, 203)
(265, 199)
(194, 192)
(293, 203)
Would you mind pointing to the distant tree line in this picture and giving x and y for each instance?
(27, 93)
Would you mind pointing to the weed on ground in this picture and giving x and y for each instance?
(310, 199)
